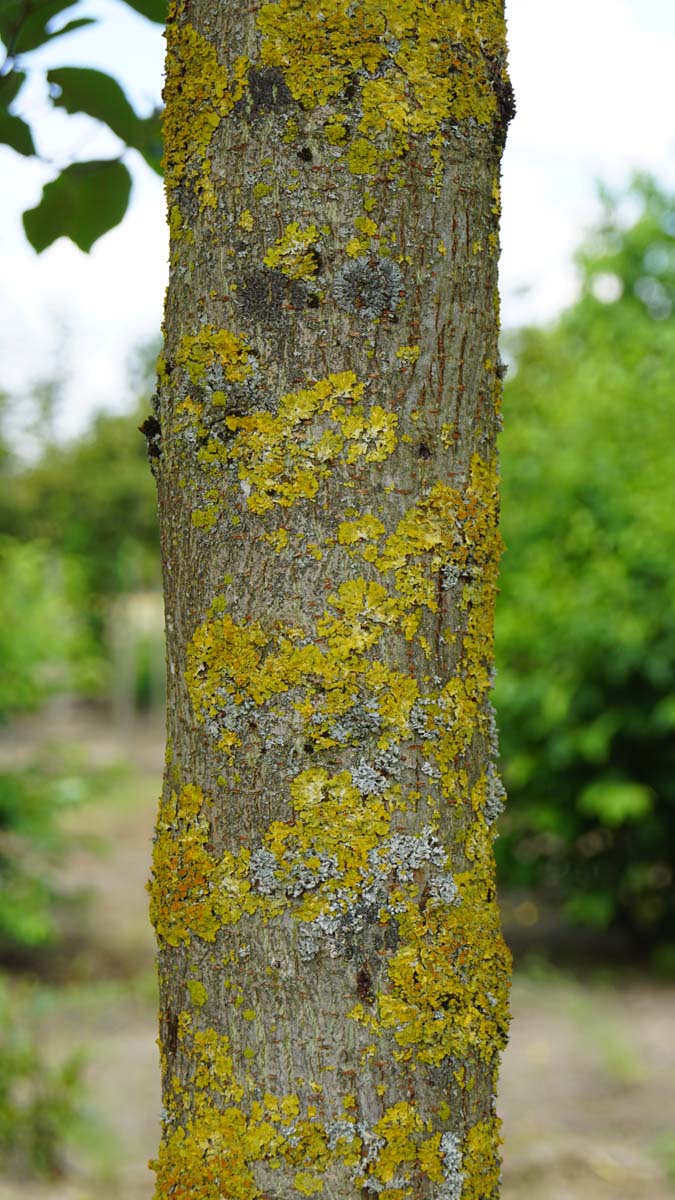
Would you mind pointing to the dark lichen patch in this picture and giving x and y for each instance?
(506, 100)
(152, 432)
(369, 286)
(269, 295)
(267, 92)
(364, 984)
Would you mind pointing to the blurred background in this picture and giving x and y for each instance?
(585, 632)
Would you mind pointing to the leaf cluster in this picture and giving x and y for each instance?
(85, 199)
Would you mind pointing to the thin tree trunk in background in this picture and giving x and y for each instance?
(333, 978)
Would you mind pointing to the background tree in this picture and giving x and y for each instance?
(586, 649)
(333, 979)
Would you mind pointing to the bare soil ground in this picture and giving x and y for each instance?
(588, 1082)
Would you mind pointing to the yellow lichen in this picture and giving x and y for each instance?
(363, 529)
(307, 1183)
(292, 253)
(198, 94)
(439, 55)
(198, 993)
(283, 457)
(335, 130)
(205, 518)
(214, 347)
(449, 978)
(191, 892)
(481, 1160)
(363, 157)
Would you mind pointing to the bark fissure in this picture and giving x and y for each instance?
(333, 978)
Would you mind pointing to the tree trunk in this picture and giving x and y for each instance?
(333, 978)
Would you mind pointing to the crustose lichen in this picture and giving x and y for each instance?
(369, 286)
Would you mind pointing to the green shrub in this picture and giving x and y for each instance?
(585, 625)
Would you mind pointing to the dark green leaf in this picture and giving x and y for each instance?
(154, 10)
(16, 133)
(81, 89)
(69, 26)
(22, 31)
(150, 141)
(10, 86)
(82, 203)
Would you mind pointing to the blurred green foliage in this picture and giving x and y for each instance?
(44, 645)
(92, 502)
(33, 799)
(585, 624)
(79, 535)
(40, 1103)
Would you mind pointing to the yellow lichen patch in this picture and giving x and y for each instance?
(430, 1158)
(198, 993)
(243, 661)
(191, 892)
(365, 609)
(319, 46)
(448, 993)
(465, 694)
(198, 94)
(277, 538)
(205, 518)
(218, 643)
(408, 354)
(214, 347)
(439, 53)
(355, 247)
(428, 527)
(213, 1064)
(372, 434)
(307, 1184)
(292, 253)
(396, 1128)
(213, 1146)
(481, 1160)
(283, 457)
(330, 818)
(363, 158)
(335, 129)
(365, 528)
(219, 1128)
(366, 226)
(446, 527)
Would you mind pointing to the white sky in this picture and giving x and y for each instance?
(594, 87)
